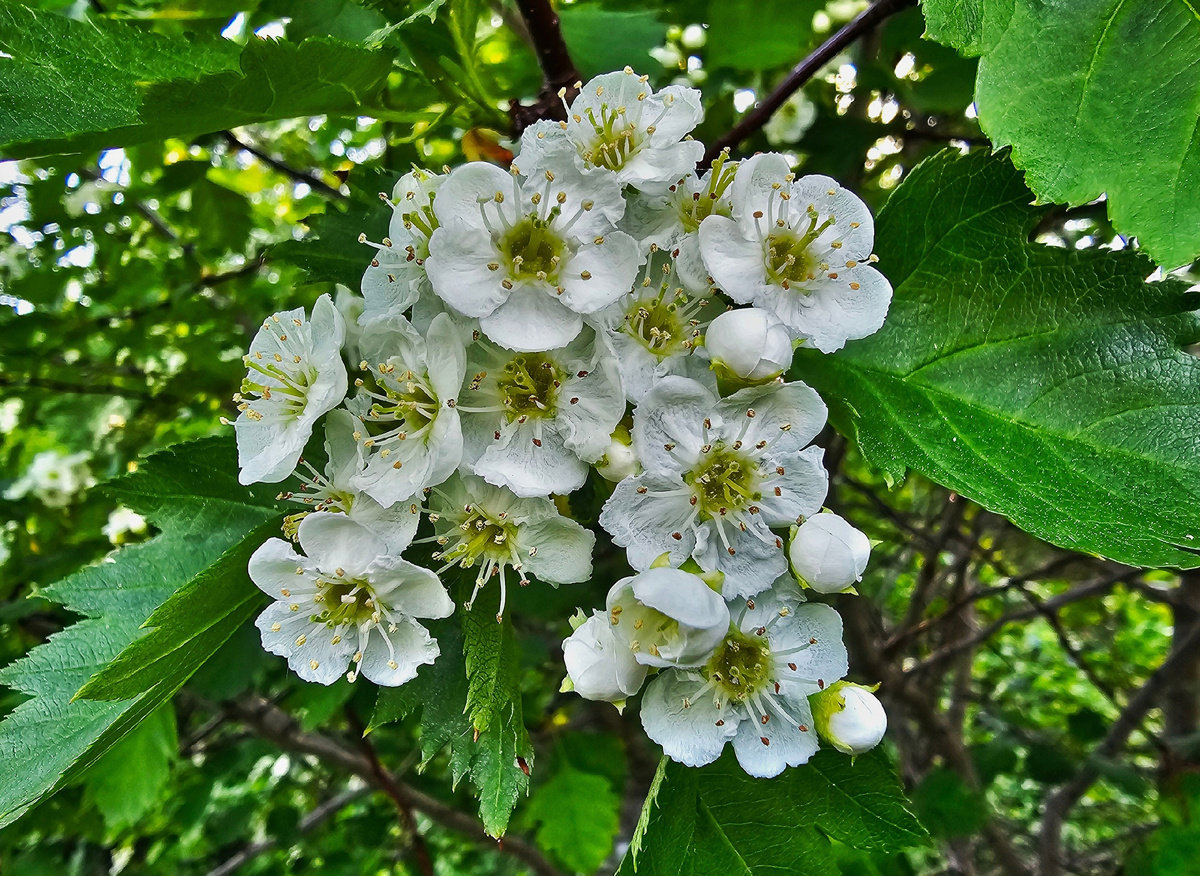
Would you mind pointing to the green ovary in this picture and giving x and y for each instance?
(657, 325)
(529, 387)
(724, 482)
(533, 249)
(740, 667)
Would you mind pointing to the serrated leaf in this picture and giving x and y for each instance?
(719, 820)
(492, 660)
(190, 493)
(127, 780)
(1077, 89)
(103, 83)
(1050, 386)
(578, 817)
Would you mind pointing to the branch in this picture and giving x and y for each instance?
(558, 70)
(275, 725)
(1062, 801)
(314, 182)
(802, 72)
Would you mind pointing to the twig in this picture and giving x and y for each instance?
(322, 813)
(558, 70)
(274, 724)
(314, 182)
(1062, 801)
(801, 73)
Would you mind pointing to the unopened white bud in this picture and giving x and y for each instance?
(694, 36)
(619, 461)
(748, 344)
(828, 554)
(600, 667)
(849, 717)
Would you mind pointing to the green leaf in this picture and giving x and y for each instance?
(190, 493)
(1076, 89)
(759, 34)
(1050, 386)
(103, 83)
(492, 660)
(947, 806)
(719, 820)
(578, 817)
(610, 39)
(128, 779)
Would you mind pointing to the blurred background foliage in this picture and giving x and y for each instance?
(132, 280)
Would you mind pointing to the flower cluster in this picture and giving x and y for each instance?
(598, 310)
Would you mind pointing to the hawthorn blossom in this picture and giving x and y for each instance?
(334, 489)
(748, 345)
(529, 258)
(54, 478)
(396, 277)
(800, 248)
(295, 376)
(618, 125)
(667, 617)
(849, 717)
(828, 554)
(346, 602)
(411, 435)
(753, 691)
(533, 421)
(600, 666)
(718, 474)
(124, 525)
(656, 327)
(478, 524)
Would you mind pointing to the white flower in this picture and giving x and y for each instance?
(123, 525)
(54, 478)
(529, 258)
(411, 434)
(791, 122)
(671, 219)
(346, 602)
(334, 490)
(655, 327)
(396, 277)
(350, 305)
(749, 344)
(800, 248)
(618, 125)
(667, 617)
(533, 421)
(717, 475)
(849, 717)
(619, 461)
(828, 554)
(296, 375)
(477, 524)
(600, 666)
(753, 691)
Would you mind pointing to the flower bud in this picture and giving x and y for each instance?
(667, 617)
(619, 461)
(849, 717)
(599, 667)
(828, 554)
(748, 345)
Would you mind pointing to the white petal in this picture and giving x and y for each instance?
(785, 743)
(273, 569)
(458, 270)
(836, 312)
(411, 647)
(672, 414)
(788, 416)
(408, 588)
(753, 565)
(681, 596)
(516, 462)
(424, 462)
(562, 550)
(461, 196)
(823, 662)
(316, 647)
(337, 542)
(446, 357)
(684, 111)
(802, 488)
(645, 523)
(531, 320)
(757, 185)
(853, 226)
(689, 734)
(611, 268)
(735, 263)
(600, 667)
(586, 424)
(268, 453)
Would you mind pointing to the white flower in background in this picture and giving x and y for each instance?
(791, 122)
(411, 435)
(667, 617)
(529, 258)
(346, 603)
(296, 375)
(54, 478)
(124, 525)
(599, 666)
(800, 248)
(753, 691)
(828, 554)
(533, 421)
(749, 345)
(396, 277)
(717, 475)
(619, 126)
(849, 717)
(350, 305)
(671, 219)
(334, 490)
(477, 524)
(655, 328)
(619, 461)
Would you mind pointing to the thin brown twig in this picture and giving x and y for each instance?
(801, 73)
(314, 182)
(558, 70)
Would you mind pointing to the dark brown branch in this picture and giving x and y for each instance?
(558, 70)
(802, 72)
(1062, 801)
(277, 726)
(314, 182)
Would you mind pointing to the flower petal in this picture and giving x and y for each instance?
(531, 320)
(690, 731)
